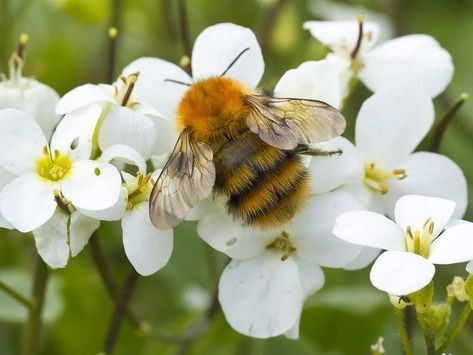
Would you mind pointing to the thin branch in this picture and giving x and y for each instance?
(443, 123)
(429, 342)
(269, 21)
(167, 18)
(115, 18)
(456, 330)
(33, 325)
(184, 28)
(121, 306)
(16, 295)
(403, 331)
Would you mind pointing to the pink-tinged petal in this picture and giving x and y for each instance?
(219, 45)
(392, 123)
(413, 211)
(28, 202)
(148, 248)
(82, 96)
(261, 297)
(51, 240)
(369, 229)
(92, 185)
(454, 245)
(21, 141)
(154, 85)
(401, 273)
(414, 60)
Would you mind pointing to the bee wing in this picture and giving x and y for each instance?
(285, 122)
(187, 178)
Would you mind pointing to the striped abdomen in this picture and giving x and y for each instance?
(265, 186)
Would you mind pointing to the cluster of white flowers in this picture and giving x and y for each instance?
(60, 188)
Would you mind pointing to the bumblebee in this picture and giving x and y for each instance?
(244, 146)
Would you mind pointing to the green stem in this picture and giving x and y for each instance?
(16, 295)
(458, 326)
(33, 325)
(429, 343)
(403, 331)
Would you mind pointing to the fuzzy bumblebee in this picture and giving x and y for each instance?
(244, 146)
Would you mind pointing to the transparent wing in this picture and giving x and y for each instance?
(285, 123)
(187, 178)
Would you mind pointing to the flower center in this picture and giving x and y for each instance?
(53, 168)
(376, 178)
(123, 89)
(139, 190)
(282, 244)
(418, 242)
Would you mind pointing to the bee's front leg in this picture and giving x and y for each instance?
(306, 150)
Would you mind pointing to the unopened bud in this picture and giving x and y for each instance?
(24, 38)
(438, 315)
(400, 302)
(378, 348)
(112, 32)
(184, 61)
(457, 289)
(423, 298)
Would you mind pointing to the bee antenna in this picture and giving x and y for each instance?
(235, 60)
(178, 82)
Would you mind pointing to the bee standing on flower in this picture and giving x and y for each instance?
(245, 146)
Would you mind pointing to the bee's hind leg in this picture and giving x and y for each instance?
(306, 150)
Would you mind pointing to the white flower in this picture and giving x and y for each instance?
(126, 118)
(414, 243)
(5, 178)
(263, 289)
(413, 60)
(148, 248)
(46, 175)
(381, 167)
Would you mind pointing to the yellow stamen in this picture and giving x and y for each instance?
(418, 242)
(376, 178)
(282, 244)
(53, 169)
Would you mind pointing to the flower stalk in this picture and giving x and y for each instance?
(15, 295)
(456, 330)
(403, 331)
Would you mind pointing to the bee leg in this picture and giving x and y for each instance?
(318, 152)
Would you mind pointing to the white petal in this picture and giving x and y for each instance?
(341, 36)
(147, 247)
(313, 235)
(33, 97)
(414, 60)
(469, 267)
(28, 202)
(370, 200)
(21, 141)
(392, 122)
(201, 209)
(153, 87)
(345, 73)
(328, 173)
(430, 174)
(454, 245)
(415, 210)
(125, 126)
(317, 80)
(5, 178)
(261, 297)
(217, 47)
(80, 230)
(113, 213)
(366, 257)
(51, 240)
(92, 185)
(401, 273)
(73, 135)
(125, 154)
(369, 229)
(82, 96)
(167, 136)
(223, 234)
(312, 279)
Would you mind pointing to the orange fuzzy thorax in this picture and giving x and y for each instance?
(213, 109)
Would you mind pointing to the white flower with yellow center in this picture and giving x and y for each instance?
(5, 178)
(126, 118)
(414, 242)
(48, 175)
(381, 167)
(29, 95)
(413, 60)
(148, 248)
(262, 290)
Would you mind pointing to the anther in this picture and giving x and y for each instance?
(355, 51)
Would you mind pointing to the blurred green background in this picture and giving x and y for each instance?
(69, 46)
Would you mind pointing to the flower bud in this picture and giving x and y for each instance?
(457, 289)
(378, 348)
(400, 302)
(438, 316)
(423, 298)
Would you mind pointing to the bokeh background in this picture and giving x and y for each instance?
(69, 47)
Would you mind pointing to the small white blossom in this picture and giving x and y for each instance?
(46, 175)
(414, 243)
(272, 272)
(413, 60)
